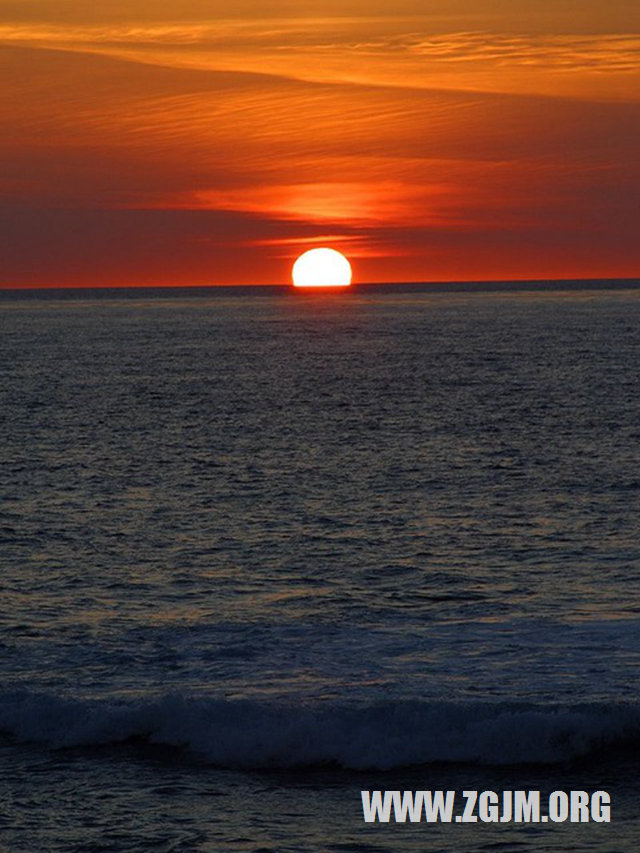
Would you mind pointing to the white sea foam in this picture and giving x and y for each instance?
(253, 734)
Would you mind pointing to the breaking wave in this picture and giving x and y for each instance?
(253, 734)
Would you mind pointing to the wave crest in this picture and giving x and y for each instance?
(251, 734)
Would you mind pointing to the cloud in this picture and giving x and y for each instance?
(603, 52)
(363, 51)
(202, 34)
(617, 53)
(607, 52)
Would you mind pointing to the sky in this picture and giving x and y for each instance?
(199, 142)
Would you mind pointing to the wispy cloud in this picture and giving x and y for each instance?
(366, 52)
(568, 52)
(605, 52)
(198, 33)
(354, 202)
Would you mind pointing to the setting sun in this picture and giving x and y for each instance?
(321, 268)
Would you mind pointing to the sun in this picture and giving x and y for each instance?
(321, 268)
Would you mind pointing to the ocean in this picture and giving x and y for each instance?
(264, 549)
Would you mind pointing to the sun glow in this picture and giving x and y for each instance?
(321, 268)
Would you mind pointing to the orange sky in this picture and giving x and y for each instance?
(153, 142)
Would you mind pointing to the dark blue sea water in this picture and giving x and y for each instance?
(262, 549)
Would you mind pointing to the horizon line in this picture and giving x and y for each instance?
(615, 282)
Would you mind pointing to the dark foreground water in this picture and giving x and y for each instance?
(264, 549)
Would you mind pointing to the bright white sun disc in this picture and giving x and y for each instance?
(322, 268)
